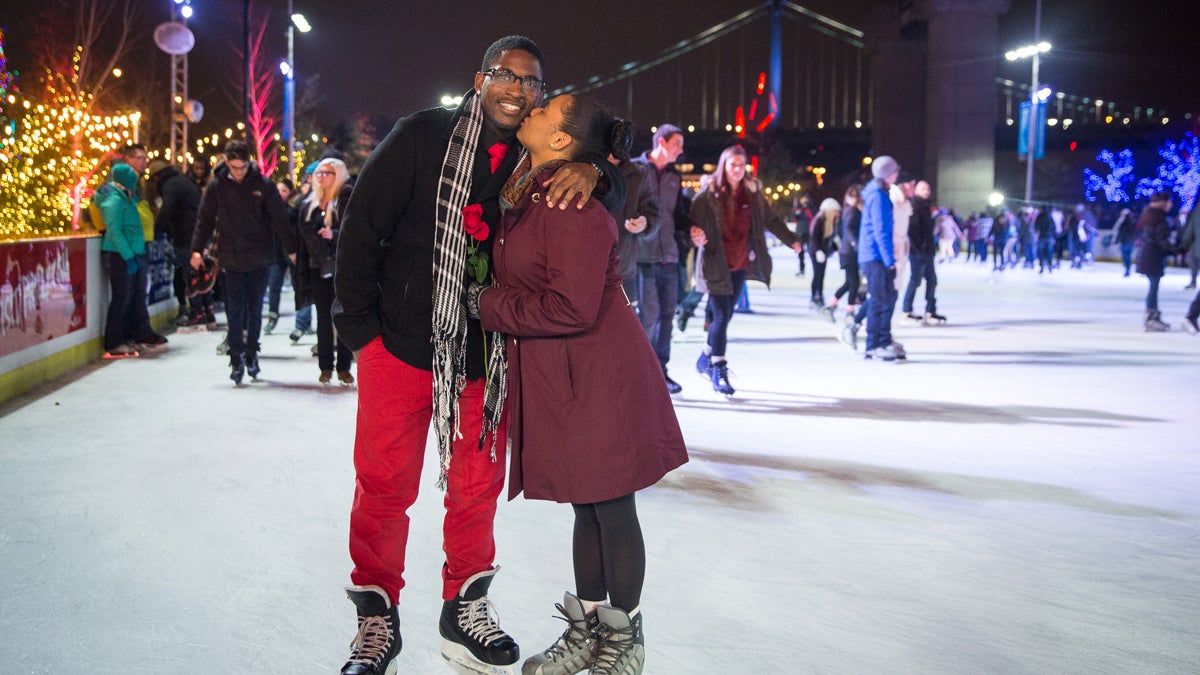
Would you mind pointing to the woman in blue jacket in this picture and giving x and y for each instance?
(124, 253)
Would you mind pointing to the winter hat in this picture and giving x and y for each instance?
(311, 168)
(884, 167)
(124, 175)
(830, 204)
(156, 165)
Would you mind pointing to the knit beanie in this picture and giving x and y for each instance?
(884, 167)
(830, 204)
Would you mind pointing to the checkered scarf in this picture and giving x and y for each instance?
(449, 311)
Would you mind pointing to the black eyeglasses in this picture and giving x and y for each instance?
(504, 77)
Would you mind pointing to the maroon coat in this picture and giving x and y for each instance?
(588, 411)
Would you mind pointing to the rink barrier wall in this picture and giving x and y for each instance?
(51, 359)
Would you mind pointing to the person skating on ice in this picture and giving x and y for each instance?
(729, 221)
(557, 295)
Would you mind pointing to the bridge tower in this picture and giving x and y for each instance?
(933, 70)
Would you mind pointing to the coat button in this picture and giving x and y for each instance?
(501, 241)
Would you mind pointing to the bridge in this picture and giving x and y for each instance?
(803, 89)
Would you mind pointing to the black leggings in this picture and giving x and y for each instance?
(849, 287)
(609, 553)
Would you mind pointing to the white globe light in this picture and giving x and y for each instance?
(174, 38)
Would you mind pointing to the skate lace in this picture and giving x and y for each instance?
(370, 645)
(575, 633)
(613, 644)
(722, 371)
(479, 619)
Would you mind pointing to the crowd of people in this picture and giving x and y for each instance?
(507, 274)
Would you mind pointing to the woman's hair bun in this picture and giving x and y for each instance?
(621, 138)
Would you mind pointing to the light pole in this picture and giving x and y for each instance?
(1035, 50)
(295, 21)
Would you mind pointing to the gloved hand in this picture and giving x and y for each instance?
(131, 266)
(474, 290)
(819, 256)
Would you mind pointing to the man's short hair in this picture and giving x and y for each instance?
(664, 133)
(509, 43)
(132, 148)
(237, 149)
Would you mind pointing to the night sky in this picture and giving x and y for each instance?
(386, 59)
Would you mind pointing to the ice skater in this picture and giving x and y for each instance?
(1156, 246)
(557, 295)
(729, 221)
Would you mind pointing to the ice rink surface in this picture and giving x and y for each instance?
(1020, 497)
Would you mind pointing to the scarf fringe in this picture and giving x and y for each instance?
(449, 315)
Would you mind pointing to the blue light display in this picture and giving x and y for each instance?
(1179, 172)
(1120, 172)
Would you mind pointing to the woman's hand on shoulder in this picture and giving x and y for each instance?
(569, 179)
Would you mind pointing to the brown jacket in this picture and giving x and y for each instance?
(706, 215)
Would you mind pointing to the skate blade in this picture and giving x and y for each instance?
(184, 330)
(462, 661)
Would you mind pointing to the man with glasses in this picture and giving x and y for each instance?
(400, 281)
(239, 212)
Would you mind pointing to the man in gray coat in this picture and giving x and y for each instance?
(658, 257)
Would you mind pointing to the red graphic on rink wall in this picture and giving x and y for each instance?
(43, 292)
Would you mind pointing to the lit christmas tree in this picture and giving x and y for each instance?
(53, 157)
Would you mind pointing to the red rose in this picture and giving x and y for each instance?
(473, 222)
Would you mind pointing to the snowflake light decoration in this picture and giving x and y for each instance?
(1120, 167)
(1180, 172)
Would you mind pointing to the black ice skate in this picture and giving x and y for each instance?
(377, 643)
(828, 310)
(575, 650)
(718, 372)
(934, 319)
(237, 368)
(622, 649)
(472, 637)
(251, 360)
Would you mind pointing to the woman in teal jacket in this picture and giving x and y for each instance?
(124, 252)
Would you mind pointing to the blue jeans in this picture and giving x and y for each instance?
(722, 306)
(1127, 257)
(275, 276)
(923, 268)
(881, 303)
(1045, 253)
(304, 319)
(243, 308)
(659, 291)
(1152, 296)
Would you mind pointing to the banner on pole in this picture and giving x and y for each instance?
(1039, 147)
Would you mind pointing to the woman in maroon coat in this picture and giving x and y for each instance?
(590, 419)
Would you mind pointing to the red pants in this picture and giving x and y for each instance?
(395, 406)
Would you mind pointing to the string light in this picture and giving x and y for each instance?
(53, 155)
